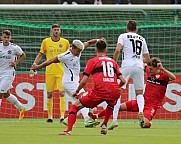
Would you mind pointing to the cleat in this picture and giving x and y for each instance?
(22, 112)
(65, 121)
(61, 120)
(65, 133)
(49, 120)
(91, 124)
(141, 119)
(113, 125)
(103, 129)
(93, 116)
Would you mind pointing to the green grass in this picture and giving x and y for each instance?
(39, 132)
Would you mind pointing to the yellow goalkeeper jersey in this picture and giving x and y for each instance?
(51, 49)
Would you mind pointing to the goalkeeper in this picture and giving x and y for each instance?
(51, 47)
(71, 63)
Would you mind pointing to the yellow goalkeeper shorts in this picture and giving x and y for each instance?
(53, 82)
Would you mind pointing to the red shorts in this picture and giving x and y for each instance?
(90, 100)
(149, 111)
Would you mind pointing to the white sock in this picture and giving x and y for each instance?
(85, 112)
(79, 112)
(0, 101)
(116, 110)
(12, 99)
(141, 102)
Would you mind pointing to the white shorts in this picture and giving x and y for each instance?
(6, 83)
(70, 88)
(136, 73)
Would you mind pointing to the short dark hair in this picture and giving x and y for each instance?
(7, 32)
(153, 62)
(132, 25)
(55, 26)
(101, 45)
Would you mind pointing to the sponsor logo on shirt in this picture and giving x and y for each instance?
(9, 51)
(5, 57)
(60, 45)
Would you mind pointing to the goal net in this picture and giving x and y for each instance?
(159, 25)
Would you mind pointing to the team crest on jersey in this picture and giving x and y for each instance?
(153, 78)
(9, 51)
(157, 76)
(60, 45)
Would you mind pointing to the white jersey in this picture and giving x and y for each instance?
(71, 65)
(8, 54)
(134, 46)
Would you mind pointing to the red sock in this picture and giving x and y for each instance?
(101, 114)
(72, 117)
(108, 113)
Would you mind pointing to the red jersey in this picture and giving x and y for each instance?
(155, 90)
(105, 72)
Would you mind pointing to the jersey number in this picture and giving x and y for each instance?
(137, 46)
(108, 69)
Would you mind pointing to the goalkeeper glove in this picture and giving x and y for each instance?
(32, 73)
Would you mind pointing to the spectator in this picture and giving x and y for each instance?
(98, 2)
(65, 2)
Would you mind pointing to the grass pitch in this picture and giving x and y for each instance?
(39, 132)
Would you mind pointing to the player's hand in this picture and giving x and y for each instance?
(102, 38)
(160, 66)
(75, 94)
(13, 64)
(34, 67)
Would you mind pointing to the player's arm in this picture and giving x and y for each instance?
(117, 52)
(20, 58)
(123, 81)
(81, 85)
(46, 63)
(90, 42)
(93, 41)
(170, 75)
(38, 58)
(146, 58)
(41, 53)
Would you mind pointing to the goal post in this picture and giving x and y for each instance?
(159, 24)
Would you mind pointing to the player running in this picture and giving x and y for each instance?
(10, 56)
